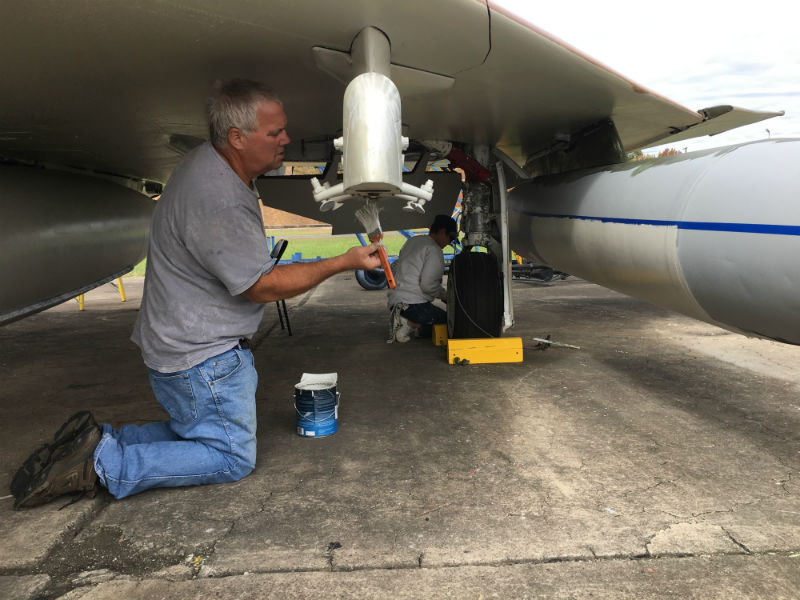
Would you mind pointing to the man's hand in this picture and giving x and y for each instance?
(285, 281)
(363, 257)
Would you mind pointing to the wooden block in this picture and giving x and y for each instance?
(440, 335)
(484, 350)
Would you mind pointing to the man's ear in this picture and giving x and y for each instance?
(236, 138)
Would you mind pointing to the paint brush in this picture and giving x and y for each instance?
(368, 216)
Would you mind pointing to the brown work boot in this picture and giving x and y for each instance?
(73, 427)
(41, 458)
(70, 469)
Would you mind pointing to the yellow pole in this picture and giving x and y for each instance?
(121, 289)
(80, 302)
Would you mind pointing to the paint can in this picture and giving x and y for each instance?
(316, 404)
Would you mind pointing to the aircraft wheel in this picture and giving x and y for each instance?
(474, 296)
(371, 280)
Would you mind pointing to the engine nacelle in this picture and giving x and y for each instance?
(713, 234)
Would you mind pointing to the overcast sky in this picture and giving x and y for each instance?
(698, 54)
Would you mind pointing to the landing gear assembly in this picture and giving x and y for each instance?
(479, 284)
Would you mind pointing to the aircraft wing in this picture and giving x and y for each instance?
(717, 119)
(119, 87)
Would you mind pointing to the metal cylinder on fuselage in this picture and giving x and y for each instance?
(713, 234)
(372, 128)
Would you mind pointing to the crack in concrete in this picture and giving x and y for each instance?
(287, 491)
(207, 555)
(784, 482)
(644, 490)
(678, 518)
(55, 588)
(713, 512)
(648, 541)
(737, 505)
(735, 541)
(508, 562)
(82, 522)
(783, 464)
(433, 510)
(332, 547)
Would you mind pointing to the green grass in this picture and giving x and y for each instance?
(138, 270)
(314, 242)
(326, 245)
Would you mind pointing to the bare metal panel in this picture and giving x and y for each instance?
(637, 260)
(62, 233)
(751, 281)
(756, 254)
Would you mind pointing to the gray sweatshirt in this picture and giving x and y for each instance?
(418, 272)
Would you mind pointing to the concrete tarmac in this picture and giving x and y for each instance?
(660, 460)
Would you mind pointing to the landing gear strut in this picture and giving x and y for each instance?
(478, 290)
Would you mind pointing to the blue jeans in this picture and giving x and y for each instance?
(210, 436)
(427, 315)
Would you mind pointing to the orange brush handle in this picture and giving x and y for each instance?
(387, 269)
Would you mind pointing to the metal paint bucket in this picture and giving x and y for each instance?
(316, 404)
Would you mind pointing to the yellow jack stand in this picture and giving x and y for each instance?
(484, 350)
(119, 287)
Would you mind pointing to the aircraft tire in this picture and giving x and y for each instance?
(474, 296)
(371, 280)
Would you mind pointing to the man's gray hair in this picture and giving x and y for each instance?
(235, 104)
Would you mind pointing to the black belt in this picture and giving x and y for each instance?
(244, 344)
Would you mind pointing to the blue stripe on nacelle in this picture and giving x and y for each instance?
(689, 225)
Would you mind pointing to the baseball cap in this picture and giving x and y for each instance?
(447, 223)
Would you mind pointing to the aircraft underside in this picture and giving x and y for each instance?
(540, 132)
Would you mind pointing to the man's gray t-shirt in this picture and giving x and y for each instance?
(207, 246)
